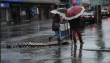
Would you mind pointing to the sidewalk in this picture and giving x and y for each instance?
(39, 37)
(24, 23)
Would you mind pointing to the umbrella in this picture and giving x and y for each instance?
(60, 11)
(74, 12)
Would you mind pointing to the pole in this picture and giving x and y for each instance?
(65, 29)
(97, 13)
(97, 10)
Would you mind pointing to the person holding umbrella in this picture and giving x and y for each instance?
(56, 19)
(75, 28)
(31, 14)
(73, 16)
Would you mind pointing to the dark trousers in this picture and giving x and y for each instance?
(74, 31)
(15, 20)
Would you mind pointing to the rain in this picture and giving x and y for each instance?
(95, 48)
(26, 26)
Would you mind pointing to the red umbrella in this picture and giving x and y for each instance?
(74, 12)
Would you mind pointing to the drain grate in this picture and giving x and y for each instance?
(30, 44)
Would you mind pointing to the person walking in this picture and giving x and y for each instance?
(56, 19)
(75, 28)
(15, 16)
(31, 13)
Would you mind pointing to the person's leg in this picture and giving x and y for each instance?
(30, 19)
(55, 34)
(15, 20)
(73, 35)
(79, 35)
(52, 36)
(58, 35)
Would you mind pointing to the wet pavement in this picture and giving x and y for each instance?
(96, 47)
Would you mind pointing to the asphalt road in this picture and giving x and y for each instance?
(96, 47)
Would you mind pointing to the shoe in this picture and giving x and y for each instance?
(50, 39)
(81, 42)
(59, 39)
(59, 43)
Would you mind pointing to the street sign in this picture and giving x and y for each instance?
(78, 1)
(96, 2)
(74, 1)
(4, 5)
(86, 1)
(12, 0)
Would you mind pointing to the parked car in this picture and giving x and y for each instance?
(104, 13)
(88, 16)
(109, 10)
(105, 8)
(109, 13)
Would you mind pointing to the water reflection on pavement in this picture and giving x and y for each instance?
(96, 38)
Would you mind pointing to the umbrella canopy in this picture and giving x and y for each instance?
(60, 11)
(74, 12)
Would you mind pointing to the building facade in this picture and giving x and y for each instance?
(105, 2)
(41, 8)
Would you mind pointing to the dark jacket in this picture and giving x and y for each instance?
(30, 13)
(15, 15)
(74, 23)
(56, 19)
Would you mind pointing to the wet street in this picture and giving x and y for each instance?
(96, 47)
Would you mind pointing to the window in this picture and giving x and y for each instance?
(89, 13)
(35, 10)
